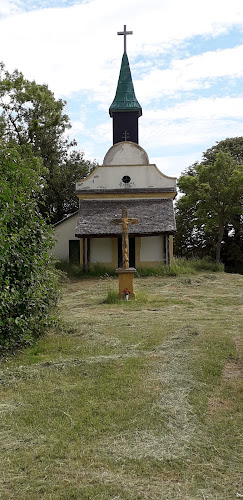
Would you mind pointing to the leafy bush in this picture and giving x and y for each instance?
(28, 279)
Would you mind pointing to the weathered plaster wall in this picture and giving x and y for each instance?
(63, 233)
(126, 153)
(151, 249)
(142, 177)
(126, 159)
(101, 250)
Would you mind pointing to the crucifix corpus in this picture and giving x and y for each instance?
(125, 273)
(124, 221)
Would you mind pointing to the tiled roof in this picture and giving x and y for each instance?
(155, 216)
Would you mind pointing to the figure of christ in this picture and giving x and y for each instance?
(125, 221)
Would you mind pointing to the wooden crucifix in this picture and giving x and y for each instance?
(125, 221)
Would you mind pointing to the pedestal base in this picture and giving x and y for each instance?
(126, 282)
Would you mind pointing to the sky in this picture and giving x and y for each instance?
(186, 60)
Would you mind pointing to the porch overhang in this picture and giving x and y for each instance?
(156, 216)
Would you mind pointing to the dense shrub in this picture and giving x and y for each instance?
(28, 279)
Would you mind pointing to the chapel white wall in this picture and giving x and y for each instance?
(151, 249)
(142, 177)
(63, 233)
(100, 250)
(126, 159)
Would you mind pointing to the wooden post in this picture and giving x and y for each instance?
(168, 243)
(88, 253)
(124, 221)
(167, 249)
(125, 273)
(84, 255)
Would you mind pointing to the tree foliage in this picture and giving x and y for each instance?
(212, 206)
(31, 115)
(28, 280)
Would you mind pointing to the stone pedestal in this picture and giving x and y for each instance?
(126, 281)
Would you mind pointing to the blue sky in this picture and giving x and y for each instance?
(186, 59)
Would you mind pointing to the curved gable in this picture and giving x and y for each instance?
(126, 153)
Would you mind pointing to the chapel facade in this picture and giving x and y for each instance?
(125, 179)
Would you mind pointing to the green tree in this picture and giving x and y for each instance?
(60, 195)
(232, 249)
(28, 279)
(232, 145)
(31, 115)
(213, 199)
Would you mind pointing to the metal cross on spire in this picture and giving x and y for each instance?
(125, 33)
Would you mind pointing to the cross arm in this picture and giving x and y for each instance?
(125, 33)
(132, 221)
(116, 222)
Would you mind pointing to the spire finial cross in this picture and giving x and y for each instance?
(125, 33)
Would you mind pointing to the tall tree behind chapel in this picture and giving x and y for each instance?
(30, 114)
(209, 216)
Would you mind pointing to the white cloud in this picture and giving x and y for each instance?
(207, 108)
(77, 127)
(10, 7)
(193, 122)
(189, 132)
(191, 73)
(174, 165)
(198, 123)
(103, 132)
(77, 48)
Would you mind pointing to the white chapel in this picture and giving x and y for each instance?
(125, 179)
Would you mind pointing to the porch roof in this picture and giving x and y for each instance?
(155, 216)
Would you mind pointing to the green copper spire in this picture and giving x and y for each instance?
(125, 99)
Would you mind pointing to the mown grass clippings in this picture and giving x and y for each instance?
(129, 400)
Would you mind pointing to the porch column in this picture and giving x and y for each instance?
(88, 253)
(167, 249)
(84, 254)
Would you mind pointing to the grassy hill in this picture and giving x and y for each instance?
(129, 400)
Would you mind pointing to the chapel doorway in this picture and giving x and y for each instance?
(74, 251)
(131, 251)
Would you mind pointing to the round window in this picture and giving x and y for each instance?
(126, 179)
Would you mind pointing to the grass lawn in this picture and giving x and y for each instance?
(129, 400)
